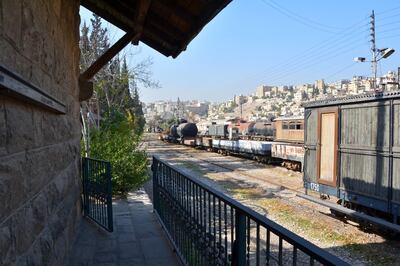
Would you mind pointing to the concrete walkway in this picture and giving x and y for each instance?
(138, 238)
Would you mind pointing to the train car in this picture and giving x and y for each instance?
(218, 131)
(292, 154)
(189, 141)
(259, 150)
(352, 151)
(263, 131)
(187, 130)
(289, 129)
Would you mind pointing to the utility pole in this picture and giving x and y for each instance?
(241, 110)
(373, 50)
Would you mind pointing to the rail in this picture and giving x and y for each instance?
(207, 227)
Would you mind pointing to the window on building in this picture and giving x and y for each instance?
(285, 125)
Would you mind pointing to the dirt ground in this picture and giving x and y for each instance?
(271, 191)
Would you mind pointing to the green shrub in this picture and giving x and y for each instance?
(117, 141)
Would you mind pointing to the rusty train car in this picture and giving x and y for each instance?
(289, 142)
(352, 152)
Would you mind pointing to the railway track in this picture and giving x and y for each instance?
(281, 202)
(271, 179)
(243, 173)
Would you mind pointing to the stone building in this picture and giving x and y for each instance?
(261, 90)
(40, 92)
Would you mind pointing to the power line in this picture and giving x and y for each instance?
(325, 45)
(310, 64)
(390, 37)
(299, 19)
(340, 70)
(389, 30)
(317, 56)
(386, 24)
(305, 18)
(388, 10)
(302, 66)
(333, 46)
(388, 17)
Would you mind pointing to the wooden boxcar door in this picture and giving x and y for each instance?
(327, 146)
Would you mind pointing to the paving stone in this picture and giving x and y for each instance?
(106, 245)
(105, 257)
(124, 238)
(164, 262)
(106, 264)
(137, 239)
(130, 250)
(147, 230)
(143, 218)
(133, 262)
(125, 229)
(123, 221)
(158, 243)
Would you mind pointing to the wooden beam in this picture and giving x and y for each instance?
(136, 25)
(140, 17)
(86, 89)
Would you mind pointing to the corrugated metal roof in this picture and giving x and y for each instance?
(369, 97)
(168, 26)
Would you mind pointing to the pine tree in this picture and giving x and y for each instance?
(84, 45)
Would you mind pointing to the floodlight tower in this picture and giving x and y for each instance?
(383, 53)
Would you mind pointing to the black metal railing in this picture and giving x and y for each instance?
(209, 228)
(97, 192)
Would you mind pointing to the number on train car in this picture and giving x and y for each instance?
(314, 187)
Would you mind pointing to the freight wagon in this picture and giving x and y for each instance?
(218, 131)
(292, 154)
(258, 150)
(248, 139)
(352, 151)
(263, 131)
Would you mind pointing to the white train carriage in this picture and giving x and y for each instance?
(292, 154)
(258, 150)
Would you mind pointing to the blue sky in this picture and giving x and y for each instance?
(272, 42)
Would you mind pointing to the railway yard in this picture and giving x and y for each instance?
(271, 190)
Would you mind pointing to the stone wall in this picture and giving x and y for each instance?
(39, 150)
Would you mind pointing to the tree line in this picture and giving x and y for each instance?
(113, 119)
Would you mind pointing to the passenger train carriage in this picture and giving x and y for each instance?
(352, 151)
(289, 139)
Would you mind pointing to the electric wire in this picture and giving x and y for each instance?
(388, 10)
(304, 18)
(310, 64)
(324, 46)
(328, 77)
(314, 26)
(317, 55)
(327, 44)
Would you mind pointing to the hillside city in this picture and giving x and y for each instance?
(266, 103)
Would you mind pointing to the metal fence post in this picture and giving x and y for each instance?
(239, 256)
(154, 169)
(85, 173)
(109, 198)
